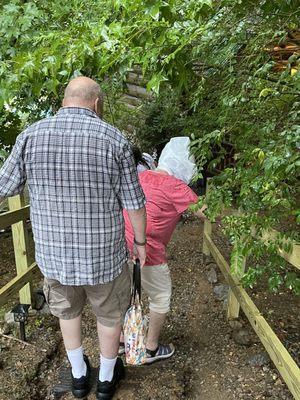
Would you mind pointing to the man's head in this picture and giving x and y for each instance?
(84, 92)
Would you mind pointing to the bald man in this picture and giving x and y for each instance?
(81, 174)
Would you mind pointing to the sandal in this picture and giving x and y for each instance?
(162, 352)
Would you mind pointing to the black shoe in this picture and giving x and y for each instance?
(106, 390)
(80, 386)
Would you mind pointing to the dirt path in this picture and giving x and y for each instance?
(208, 364)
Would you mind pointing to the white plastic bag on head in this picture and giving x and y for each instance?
(177, 160)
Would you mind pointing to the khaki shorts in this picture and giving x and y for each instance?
(157, 285)
(109, 301)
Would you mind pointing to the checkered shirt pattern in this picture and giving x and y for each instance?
(80, 173)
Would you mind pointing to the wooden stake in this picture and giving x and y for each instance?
(20, 240)
(22, 342)
(207, 227)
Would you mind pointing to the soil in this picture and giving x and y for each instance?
(208, 364)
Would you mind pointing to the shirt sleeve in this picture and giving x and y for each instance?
(131, 193)
(183, 196)
(12, 174)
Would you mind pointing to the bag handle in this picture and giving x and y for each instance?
(137, 287)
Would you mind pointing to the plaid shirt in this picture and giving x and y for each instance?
(81, 174)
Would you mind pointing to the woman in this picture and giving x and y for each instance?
(168, 196)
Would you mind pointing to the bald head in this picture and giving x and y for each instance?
(83, 92)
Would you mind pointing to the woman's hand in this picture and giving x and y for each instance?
(200, 213)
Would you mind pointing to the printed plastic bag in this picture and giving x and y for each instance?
(135, 324)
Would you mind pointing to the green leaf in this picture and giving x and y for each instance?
(266, 92)
(155, 81)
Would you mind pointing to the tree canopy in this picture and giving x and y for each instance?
(230, 67)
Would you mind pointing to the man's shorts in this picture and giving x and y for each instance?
(109, 301)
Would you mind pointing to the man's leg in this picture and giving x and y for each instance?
(71, 333)
(110, 302)
(66, 303)
(109, 346)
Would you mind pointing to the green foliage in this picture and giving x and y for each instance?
(208, 63)
(160, 120)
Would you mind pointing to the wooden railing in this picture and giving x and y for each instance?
(238, 297)
(16, 217)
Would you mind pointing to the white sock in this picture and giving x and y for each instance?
(107, 366)
(77, 362)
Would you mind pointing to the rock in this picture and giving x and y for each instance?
(6, 328)
(259, 360)
(211, 275)
(221, 291)
(235, 324)
(243, 337)
(208, 260)
(225, 303)
(9, 318)
(45, 310)
(32, 312)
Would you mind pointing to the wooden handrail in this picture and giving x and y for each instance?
(293, 257)
(11, 217)
(18, 283)
(278, 353)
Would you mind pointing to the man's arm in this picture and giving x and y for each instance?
(138, 222)
(132, 199)
(12, 173)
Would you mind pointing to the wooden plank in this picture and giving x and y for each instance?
(233, 308)
(138, 91)
(207, 226)
(20, 240)
(293, 257)
(136, 79)
(11, 217)
(278, 353)
(18, 282)
(132, 100)
(207, 231)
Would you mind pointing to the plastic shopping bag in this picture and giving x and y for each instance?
(135, 324)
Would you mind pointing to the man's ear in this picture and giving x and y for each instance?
(99, 107)
(63, 102)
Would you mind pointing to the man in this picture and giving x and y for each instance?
(81, 174)
(168, 196)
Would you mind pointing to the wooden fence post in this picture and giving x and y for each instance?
(20, 241)
(233, 308)
(207, 226)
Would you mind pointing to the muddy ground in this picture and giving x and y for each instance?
(210, 362)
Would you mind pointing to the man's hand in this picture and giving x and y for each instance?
(138, 222)
(140, 253)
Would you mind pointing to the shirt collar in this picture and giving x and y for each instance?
(77, 110)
